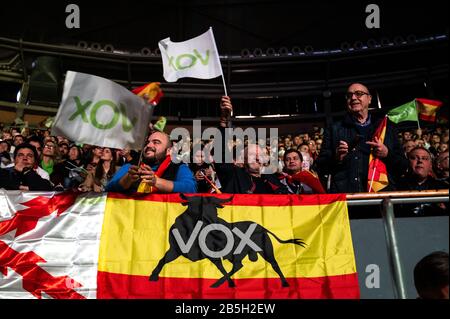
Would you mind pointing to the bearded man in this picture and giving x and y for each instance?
(157, 173)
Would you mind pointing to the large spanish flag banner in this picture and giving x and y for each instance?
(65, 245)
(228, 247)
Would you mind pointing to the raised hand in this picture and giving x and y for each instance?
(342, 150)
(226, 109)
(147, 175)
(378, 148)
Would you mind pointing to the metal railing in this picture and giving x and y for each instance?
(387, 200)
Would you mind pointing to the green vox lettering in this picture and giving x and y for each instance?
(114, 119)
(118, 112)
(199, 56)
(187, 60)
(127, 124)
(81, 109)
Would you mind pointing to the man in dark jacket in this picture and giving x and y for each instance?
(348, 143)
(419, 178)
(22, 175)
(248, 179)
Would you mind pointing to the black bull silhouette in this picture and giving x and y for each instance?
(204, 209)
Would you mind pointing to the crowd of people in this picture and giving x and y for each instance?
(324, 160)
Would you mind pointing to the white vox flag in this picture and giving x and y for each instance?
(195, 58)
(101, 112)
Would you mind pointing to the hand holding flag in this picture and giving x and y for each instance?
(379, 149)
(211, 183)
(148, 179)
(308, 178)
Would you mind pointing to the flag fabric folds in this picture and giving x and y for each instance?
(49, 244)
(195, 58)
(405, 112)
(66, 245)
(134, 246)
(100, 112)
(427, 109)
(377, 178)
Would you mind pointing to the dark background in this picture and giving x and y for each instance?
(237, 24)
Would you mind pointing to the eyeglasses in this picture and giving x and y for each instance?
(419, 158)
(49, 146)
(358, 94)
(22, 155)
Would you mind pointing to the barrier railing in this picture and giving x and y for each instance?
(387, 200)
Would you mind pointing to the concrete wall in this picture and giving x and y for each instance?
(416, 237)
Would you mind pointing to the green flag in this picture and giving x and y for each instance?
(405, 112)
(161, 124)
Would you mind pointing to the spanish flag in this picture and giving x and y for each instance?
(152, 91)
(427, 109)
(105, 245)
(377, 178)
(224, 246)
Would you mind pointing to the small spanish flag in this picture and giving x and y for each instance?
(427, 109)
(377, 178)
(151, 90)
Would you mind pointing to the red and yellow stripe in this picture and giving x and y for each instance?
(377, 178)
(135, 237)
(428, 109)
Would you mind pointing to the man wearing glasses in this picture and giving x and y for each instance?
(347, 145)
(23, 176)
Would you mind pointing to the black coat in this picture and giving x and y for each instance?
(350, 174)
(11, 179)
(409, 183)
(236, 180)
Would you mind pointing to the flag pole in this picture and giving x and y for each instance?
(378, 100)
(147, 130)
(373, 174)
(211, 183)
(375, 164)
(218, 61)
(418, 124)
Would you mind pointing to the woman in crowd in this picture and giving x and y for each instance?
(97, 179)
(70, 172)
(50, 157)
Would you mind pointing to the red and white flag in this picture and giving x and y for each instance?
(49, 245)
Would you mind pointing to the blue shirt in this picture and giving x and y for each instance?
(184, 181)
